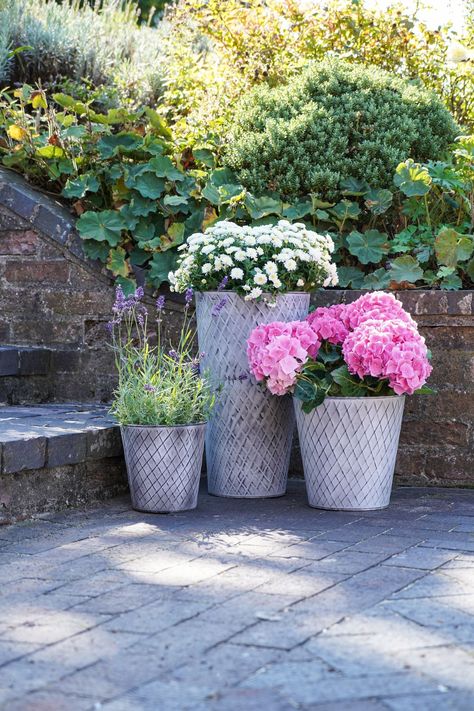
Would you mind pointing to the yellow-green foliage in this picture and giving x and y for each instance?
(220, 48)
(333, 121)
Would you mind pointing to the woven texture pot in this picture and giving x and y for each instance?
(348, 447)
(163, 466)
(248, 440)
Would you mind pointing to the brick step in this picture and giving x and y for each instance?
(24, 360)
(56, 456)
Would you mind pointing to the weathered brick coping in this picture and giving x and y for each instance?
(55, 456)
(437, 440)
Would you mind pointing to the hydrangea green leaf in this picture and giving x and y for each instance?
(348, 383)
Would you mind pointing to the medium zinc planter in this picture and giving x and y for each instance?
(348, 447)
(163, 466)
(248, 439)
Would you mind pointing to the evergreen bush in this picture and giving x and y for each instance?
(331, 122)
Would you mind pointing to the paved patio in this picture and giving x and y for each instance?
(241, 605)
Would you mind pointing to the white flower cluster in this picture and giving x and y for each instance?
(254, 260)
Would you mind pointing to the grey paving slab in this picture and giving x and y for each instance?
(240, 605)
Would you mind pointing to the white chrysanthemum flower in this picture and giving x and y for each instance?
(300, 282)
(271, 267)
(237, 273)
(276, 282)
(206, 268)
(227, 241)
(260, 278)
(253, 294)
(208, 248)
(240, 255)
(251, 253)
(226, 260)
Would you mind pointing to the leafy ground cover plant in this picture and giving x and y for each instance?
(157, 386)
(368, 348)
(332, 121)
(255, 261)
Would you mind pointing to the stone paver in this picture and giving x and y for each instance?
(241, 605)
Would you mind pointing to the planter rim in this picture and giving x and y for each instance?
(370, 397)
(223, 292)
(167, 427)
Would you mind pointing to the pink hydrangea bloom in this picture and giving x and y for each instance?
(328, 323)
(277, 351)
(376, 305)
(392, 350)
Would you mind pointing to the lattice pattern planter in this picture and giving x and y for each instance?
(348, 447)
(248, 440)
(163, 466)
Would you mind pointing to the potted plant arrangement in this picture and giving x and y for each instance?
(162, 403)
(243, 276)
(349, 368)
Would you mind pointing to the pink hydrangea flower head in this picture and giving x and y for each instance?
(277, 351)
(392, 350)
(376, 305)
(328, 323)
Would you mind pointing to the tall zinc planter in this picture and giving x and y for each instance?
(164, 466)
(249, 435)
(348, 447)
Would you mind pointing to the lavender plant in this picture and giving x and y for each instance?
(157, 386)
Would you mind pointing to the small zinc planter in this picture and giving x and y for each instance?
(164, 466)
(249, 435)
(349, 447)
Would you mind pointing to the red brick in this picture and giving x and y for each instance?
(14, 242)
(34, 272)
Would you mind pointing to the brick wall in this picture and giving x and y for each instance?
(437, 439)
(51, 297)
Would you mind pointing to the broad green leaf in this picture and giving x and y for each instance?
(368, 247)
(78, 187)
(144, 231)
(317, 399)
(174, 236)
(451, 282)
(95, 250)
(138, 256)
(469, 269)
(50, 152)
(222, 176)
(175, 200)
(351, 385)
(109, 146)
(117, 262)
(412, 179)
(262, 206)
(304, 390)
(353, 186)
(297, 210)
(378, 201)
(345, 210)
(452, 247)
(193, 223)
(405, 268)
(141, 206)
(38, 100)
(69, 102)
(350, 276)
(158, 123)
(379, 279)
(204, 155)
(161, 265)
(105, 226)
(149, 186)
(163, 167)
(128, 285)
(425, 390)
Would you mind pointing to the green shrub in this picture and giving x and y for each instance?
(333, 121)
